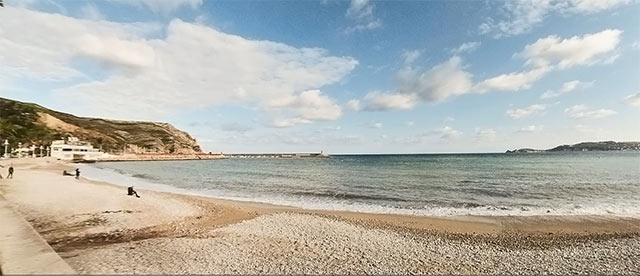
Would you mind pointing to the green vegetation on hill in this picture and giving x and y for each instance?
(19, 123)
(587, 146)
(32, 124)
(599, 146)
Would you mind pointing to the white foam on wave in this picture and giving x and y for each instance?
(617, 209)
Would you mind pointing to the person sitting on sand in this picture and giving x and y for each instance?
(77, 173)
(131, 191)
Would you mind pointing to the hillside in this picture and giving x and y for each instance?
(587, 146)
(33, 124)
(598, 146)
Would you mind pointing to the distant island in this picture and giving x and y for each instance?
(585, 146)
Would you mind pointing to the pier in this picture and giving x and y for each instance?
(277, 155)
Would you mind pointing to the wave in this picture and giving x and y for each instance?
(342, 201)
(342, 195)
(145, 176)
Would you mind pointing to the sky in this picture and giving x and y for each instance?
(338, 76)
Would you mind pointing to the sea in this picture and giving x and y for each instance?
(496, 184)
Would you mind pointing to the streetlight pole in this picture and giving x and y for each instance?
(6, 146)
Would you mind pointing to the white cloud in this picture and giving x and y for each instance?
(485, 133)
(361, 12)
(411, 56)
(438, 83)
(191, 66)
(378, 101)
(521, 16)
(91, 12)
(354, 105)
(313, 105)
(162, 6)
(633, 100)
(409, 123)
(308, 106)
(333, 128)
(235, 127)
(450, 79)
(466, 47)
(566, 88)
(511, 81)
(582, 112)
(376, 125)
(552, 53)
(531, 128)
(53, 42)
(284, 123)
(566, 53)
(446, 133)
(528, 111)
(377, 23)
(593, 6)
(116, 52)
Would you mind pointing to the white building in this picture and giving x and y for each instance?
(74, 149)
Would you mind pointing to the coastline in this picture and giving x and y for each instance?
(96, 228)
(159, 157)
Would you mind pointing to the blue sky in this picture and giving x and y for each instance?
(340, 76)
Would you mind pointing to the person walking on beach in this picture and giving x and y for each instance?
(77, 173)
(10, 175)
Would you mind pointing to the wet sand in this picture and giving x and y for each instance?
(97, 228)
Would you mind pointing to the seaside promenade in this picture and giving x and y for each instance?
(95, 228)
(23, 250)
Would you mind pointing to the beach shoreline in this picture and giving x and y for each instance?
(86, 221)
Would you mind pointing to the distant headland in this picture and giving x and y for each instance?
(585, 146)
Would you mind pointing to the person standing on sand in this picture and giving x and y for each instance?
(77, 173)
(10, 175)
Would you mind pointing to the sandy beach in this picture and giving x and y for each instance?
(96, 228)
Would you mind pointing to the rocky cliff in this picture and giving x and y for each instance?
(33, 124)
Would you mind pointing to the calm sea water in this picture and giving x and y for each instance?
(604, 183)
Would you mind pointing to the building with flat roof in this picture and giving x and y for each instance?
(74, 149)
